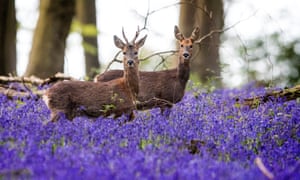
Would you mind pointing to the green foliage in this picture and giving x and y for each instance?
(281, 57)
(91, 49)
(209, 86)
(87, 30)
(108, 107)
(151, 140)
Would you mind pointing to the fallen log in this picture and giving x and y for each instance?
(27, 87)
(284, 94)
(35, 80)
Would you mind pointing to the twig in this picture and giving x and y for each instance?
(225, 29)
(114, 60)
(159, 54)
(163, 60)
(142, 59)
(154, 101)
(34, 80)
(263, 168)
(11, 93)
(209, 14)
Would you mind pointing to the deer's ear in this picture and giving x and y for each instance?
(178, 34)
(118, 42)
(141, 42)
(195, 34)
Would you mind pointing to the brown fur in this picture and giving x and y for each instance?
(168, 85)
(76, 98)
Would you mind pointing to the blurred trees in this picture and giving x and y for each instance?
(280, 58)
(49, 41)
(53, 27)
(272, 60)
(8, 29)
(208, 16)
(86, 15)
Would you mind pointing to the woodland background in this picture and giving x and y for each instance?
(225, 56)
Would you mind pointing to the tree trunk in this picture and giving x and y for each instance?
(208, 16)
(49, 41)
(86, 14)
(8, 28)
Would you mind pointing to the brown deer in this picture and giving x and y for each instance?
(162, 88)
(77, 98)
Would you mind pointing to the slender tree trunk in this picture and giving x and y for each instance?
(8, 27)
(49, 41)
(208, 15)
(187, 17)
(86, 14)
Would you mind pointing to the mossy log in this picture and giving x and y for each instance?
(287, 94)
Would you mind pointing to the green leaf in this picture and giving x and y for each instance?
(89, 30)
(86, 30)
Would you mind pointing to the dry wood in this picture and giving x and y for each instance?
(284, 94)
(26, 87)
(35, 80)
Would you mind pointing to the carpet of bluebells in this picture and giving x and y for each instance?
(208, 135)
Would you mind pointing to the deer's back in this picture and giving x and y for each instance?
(161, 84)
(93, 99)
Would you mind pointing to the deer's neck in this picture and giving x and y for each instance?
(131, 77)
(183, 72)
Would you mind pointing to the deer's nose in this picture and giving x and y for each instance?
(186, 55)
(130, 62)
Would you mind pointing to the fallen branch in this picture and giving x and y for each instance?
(263, 168)
(12, 93)
(27, 87)
(285, 94)
(34, 80)
(153, 102)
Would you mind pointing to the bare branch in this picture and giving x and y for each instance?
(154, 101)
(34, 80)
(225, 29)
(171, 52)
(113, 60)
(191, 3)
(163, 60)
(159, 54)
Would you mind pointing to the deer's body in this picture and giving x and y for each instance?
(166, 85)
(169, 85)
(76, 98)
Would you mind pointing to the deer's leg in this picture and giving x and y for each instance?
(131, 116)
(70, 116)
(165, 110)
(53, 117)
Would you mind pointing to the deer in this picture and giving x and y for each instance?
(87, 98)
(162, 88)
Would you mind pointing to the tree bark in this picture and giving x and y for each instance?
(49, 41)
(86, 14)
(8, 29)
(208, 16)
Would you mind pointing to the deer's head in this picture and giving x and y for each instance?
(130, 49)
(186, 44)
